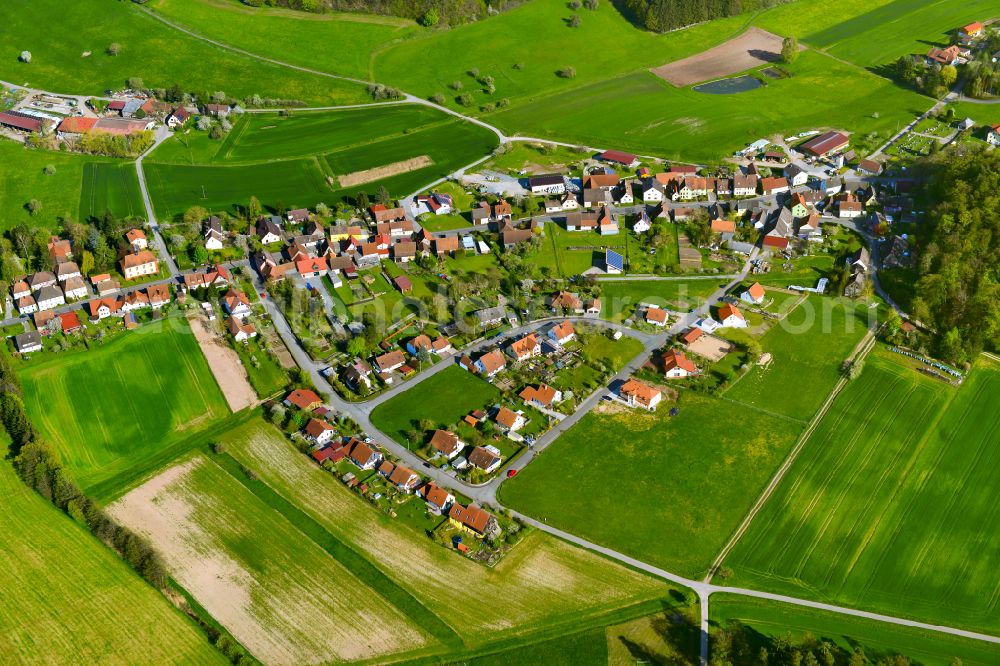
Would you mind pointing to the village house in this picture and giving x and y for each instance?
(404, 478)
(240, 330)
(676, 365)
(849, 208)
(562, 332)
(311, 267)
(640, 394)
(774, 185)
(490, 363)
(509, 421)
(796, 175)
(525, 348)
(40, 280)
(60, 250)
(946, 56)
(691, 335)
(642, 223)
(214, 238)
(438, 203)
(319, 432)
(592, 307)
(394, 228)
(552, 183)
(993, 136)
(445, 245)
(357, 375)
(217, 110)
(75, 288)
(969, 33)
(730, 317)
(216, 276)
(380, 213)
(744, 185)
(511, 235)
(404, 252)
(236, 303)
(303, 399)
(869, 167)
(390, 361)
(66, 270)
(618, 157)
(798, 205)
(474, 520)
(487, 458)
(656, 316)
(49, 297)
(28, 342)
(810, 228)
(364, 456)
(177, 117)
(447, 443)
(489, 317)
(268, 230)
(437, 498)
(581, 221)
(754, 295)
(137, 239)
(158, 295)
(720, 226)
(481, 214)
(566, 301)
(102, 308)
(544, 396)
(139, 265)
(624, 194)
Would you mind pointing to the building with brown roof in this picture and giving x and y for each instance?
(729, 315)
(447, 443)
(486, 458)
(542, 396)
(640, 394)
(825, 144)
(473, 519)
(303, 399)
(491, 363)
(509, 420)
(390, 361)
(437, 498)
(565, 300)
(657, 316)
(525, 348)
(139, 265)
(677, 364)
(754, 295)
(319, 431)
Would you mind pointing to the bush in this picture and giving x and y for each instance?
(114, 48)
(574, 21)
(567, 73)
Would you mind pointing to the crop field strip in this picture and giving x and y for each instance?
(542, 579)
(66, 598)
(870, 504)
(280, 595)
(169, 388)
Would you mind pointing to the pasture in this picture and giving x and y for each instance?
(891, 504)
(81, 186)
(772, 620)
(444, 399)
(283, 597)
(542, 583)
(297, 160)
(70, 56)
(138, 397)
(808, 348)
(665, 490)
(66, 598)
(644, 113)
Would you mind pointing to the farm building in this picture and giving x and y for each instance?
(826, 144)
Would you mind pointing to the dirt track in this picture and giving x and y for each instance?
(225, 365)
(394, 169)
(753, 48)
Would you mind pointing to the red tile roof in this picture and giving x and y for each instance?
(303, 398)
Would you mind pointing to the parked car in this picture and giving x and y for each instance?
(511, 473)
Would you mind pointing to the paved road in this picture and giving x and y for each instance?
(162, 134)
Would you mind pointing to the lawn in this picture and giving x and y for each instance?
(94, 609)
(620, 297)
(668, 491)
(891, 505)
(644, 113)
(771, 620)
(109, 407)
(282, 596)
(289, 160)
(542, 583)
(81, 186)
(807, 348)
(69, 56)
(444, 399)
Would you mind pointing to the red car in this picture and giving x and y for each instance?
(511, 472)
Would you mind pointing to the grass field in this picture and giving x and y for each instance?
(871, 34)
(445, 399)
(287, 160)
(890, 505)
(109, 407)
(668, 491)
(65, 598)
(619, 297)
(281, 596)
(642, 112)
(808, 348)
(542, 583)
(80, 187)
(771, 620)
(69, 56)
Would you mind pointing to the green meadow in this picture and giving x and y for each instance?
(70, 55)
(296, 160)
(891, 504)
(619, 298)
(807, 349)
(445, 399)
(66, 598)
(80, 187)
(665, 490)
(109, 408)
(770, 620)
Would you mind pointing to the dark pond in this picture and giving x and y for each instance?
(731, 86)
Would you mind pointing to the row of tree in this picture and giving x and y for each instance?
(957, 292)
(428, 12)
(666, 15)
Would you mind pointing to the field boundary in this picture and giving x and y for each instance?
(860, 351)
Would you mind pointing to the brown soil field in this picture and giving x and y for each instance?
(710, 347)
(225, 365)
(378, 173)
(753, 48)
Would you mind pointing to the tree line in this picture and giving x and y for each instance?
(666, 15)
(957, 291)
(428, 12)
